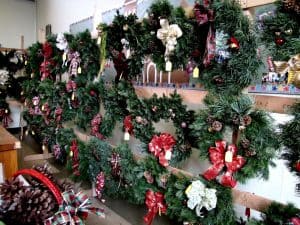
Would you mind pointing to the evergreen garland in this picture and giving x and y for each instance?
(277, 214)
(282, 24)
(291, 141)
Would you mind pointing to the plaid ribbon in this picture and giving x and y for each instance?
(74, 210)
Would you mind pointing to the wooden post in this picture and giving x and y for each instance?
(22, 41)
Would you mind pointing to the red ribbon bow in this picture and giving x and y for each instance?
(128, 126)
(71, 86)
(161, 146)
(75, 157)
(58, 114)
(295, 220)
(155, 204)
(217, 157)
(6, 119)
(95, 123)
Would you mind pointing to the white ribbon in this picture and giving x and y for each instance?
(168, 34)
(199, 196)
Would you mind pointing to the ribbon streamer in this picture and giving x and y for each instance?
(161, 147)
(6, 119)
(74, 210)
(217, 157)
(128, 126)
(75, 157)
(155, 203)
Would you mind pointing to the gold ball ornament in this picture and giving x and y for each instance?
(296, 81)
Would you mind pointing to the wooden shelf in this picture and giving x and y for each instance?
(8, 152)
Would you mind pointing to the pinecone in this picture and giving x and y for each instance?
(245, 143)
(289, 4)
(236, 120)
(210, 119)
(247, 120)
(26, 205)
(217, 126)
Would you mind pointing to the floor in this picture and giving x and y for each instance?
(117, 212)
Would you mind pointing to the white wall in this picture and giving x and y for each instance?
(17, 17)
(60, 14)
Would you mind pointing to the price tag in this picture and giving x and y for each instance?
(188, 189)
(64, 57)
(168, 66)
(196, 72)
(126, 136)
(168, 155)
(79, 70)
(98, 40)
(228, 156)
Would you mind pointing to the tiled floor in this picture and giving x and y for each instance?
(117, 212)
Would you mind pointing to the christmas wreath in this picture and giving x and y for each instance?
(278, 214)
(146, 112)
(251, 141)
(290, 139)
(196, 201)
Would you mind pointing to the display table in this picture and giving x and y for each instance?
(8, 152)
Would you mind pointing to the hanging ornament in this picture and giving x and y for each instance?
(292, 6)
(279, 41)
(233, 44)
(217, 126)
(297, 166)
(168, 34)
(289, 31)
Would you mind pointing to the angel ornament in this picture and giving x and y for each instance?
(168, 34)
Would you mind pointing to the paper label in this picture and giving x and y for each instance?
(126, 136)
(196, 72)
(98, 40)
(64, 57)
(168, 155)
(79, 70)
(228, 156)
(168, 66)
(188, 189)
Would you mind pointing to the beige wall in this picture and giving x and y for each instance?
(17, 18)
(60, 14)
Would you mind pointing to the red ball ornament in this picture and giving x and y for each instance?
(93, 93)
(297, 166)
(279, 41)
